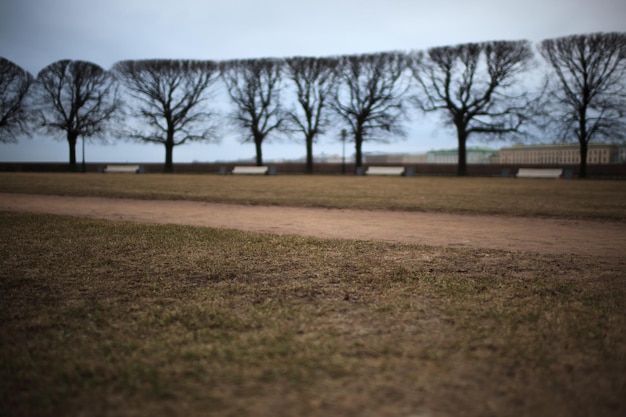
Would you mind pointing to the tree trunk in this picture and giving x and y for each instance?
(583, 141)
(83, 167)
(358, 160)
(358, 144)
(259, 152)
(461, 170)
(169, 151)
(582, 169)
(72, 138)
(309, 155)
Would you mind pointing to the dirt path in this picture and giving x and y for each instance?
(437, 229)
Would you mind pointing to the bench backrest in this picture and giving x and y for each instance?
(250, 170)
(122, 168)
(374, 170)
(540, 172)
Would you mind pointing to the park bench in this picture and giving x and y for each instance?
(374, 170)
(250, 170)
(539, 173)
(122, 169)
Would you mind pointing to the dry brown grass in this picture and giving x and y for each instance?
(496, 196)
(123, 319)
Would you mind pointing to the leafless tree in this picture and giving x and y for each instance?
(315, 83)
(476, 87)
(14, 115)
(77, 98)
(589, 92)
(371, 97)
(254, 87)
(169, 97)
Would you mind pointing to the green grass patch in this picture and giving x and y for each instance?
(492, 196)
(114, 318)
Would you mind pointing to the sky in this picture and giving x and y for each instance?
(36, 33)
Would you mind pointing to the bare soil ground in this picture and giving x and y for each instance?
(539, 235)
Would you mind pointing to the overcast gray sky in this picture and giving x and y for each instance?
(36, 33)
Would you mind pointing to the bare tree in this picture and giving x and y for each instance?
(476, 87)
(371, 97)
(14, 115)
(589, 94)
(169, 98)
(254, 87)
(77, 98)
(315, 82)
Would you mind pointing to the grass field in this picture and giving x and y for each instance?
(498, 196)
(122, 319)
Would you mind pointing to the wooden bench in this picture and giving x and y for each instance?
(539, 173)
(250, 170)
(374, 170)
(133, 169)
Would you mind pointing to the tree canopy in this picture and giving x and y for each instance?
(77, 98)
(370, 100)
(254, 86)
(315, 80)
(169, 96)
(14, 86)
(588, 95)
(475, 87)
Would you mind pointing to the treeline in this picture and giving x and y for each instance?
(491, 89)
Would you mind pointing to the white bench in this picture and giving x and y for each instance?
(122, 169)
(250, 170)
(539, 173)
(373, 170)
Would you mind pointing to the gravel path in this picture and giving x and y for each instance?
(555, 236)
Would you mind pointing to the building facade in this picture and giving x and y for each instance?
(560, 154)
(394, 158)
(555, 154)
(451, 156)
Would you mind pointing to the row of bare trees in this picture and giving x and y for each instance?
(478, 89)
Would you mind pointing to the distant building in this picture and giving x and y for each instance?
(324, 158)
(444, 156)
(563, 153)
(621, 154)
(394, 158)
(451, 156)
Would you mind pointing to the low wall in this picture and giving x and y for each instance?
(608, 171)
